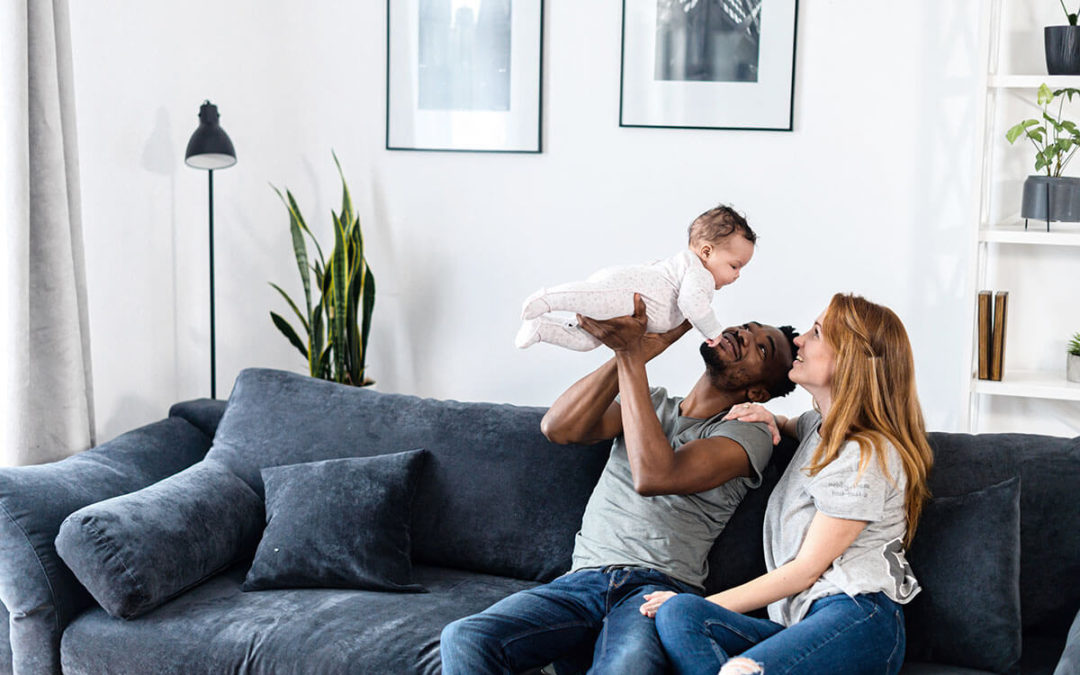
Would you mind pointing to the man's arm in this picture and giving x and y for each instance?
(658, 468)
(587, 411)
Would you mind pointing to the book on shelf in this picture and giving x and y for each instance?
(997, 335)
(986, 319)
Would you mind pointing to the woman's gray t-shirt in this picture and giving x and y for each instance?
(668, 533)
(875, 560)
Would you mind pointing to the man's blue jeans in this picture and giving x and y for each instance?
(588, 608)
(840, 634)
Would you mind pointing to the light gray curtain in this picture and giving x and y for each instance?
(46, 394)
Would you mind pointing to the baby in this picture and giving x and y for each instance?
(721, 244)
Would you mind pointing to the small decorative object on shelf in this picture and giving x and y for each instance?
(1072, 360)
(986, 322)
(1063, 46)
(1050, 197)
(338, 326)
(997, 336)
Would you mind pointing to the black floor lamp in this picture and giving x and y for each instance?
(210, 148)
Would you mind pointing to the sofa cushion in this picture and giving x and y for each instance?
(1048, 468)
(338, 523)
(966, 555)
(138, 550)
(36, 587)
(216, 628)
(494, 496)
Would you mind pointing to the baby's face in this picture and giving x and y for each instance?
(726, 259)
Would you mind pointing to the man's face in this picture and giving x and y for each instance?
(747, 355)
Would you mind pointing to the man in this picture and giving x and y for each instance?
(676, 473)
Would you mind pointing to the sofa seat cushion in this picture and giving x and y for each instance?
(216, 628)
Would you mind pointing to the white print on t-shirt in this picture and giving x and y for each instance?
(838, 488)
(899, 569)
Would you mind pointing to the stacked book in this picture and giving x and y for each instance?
(992, 313)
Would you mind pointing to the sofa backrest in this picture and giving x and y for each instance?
(495, 496)
(1049, 471)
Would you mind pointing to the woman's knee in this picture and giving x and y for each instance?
(678, 614)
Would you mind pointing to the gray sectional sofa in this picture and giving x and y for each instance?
(161, 525)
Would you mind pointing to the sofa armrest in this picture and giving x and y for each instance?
(1070, 658)
(204, 413)
(40, 593)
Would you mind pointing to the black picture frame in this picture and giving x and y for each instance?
(709, 64)
(464, 75)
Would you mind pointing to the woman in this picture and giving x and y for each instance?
(837, 523)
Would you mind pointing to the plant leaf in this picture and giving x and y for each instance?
(295, 309)
(368, 307)
(339, 274)
(289, 333)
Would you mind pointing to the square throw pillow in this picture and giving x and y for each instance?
(966, 556)
(136, 551)
(339, 523)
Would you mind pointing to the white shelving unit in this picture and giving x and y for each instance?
(992, 239)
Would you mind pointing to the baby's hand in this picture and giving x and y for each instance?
(715, 341)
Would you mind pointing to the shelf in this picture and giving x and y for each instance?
(1033, 81)
(1014, 233)
(1032, 384)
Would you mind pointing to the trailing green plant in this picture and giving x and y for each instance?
(1070, 17)
(337, 327)
(1055, 139)
(1074, 345)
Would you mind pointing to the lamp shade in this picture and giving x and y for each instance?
(209, 147)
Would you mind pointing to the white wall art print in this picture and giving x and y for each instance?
(708, 64)
(464, 75)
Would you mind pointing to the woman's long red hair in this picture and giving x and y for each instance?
(874, 399)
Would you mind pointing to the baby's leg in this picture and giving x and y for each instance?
(597, 300)
(562, 332)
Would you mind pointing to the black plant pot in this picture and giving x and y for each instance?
(1051, 199)
(1062, 49)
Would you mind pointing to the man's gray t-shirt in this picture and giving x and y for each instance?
(668, 533)
(875, 561)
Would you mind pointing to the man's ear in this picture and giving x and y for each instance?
(757, 394)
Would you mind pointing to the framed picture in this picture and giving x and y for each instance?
(708, 64)
(464, 75)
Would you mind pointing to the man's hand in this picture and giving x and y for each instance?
(627, 333)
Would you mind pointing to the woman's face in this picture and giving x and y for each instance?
(815, 360)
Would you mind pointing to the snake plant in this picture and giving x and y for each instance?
(337, 327)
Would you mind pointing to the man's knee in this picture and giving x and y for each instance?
(463, 645)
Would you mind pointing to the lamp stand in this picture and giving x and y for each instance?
(213, 348)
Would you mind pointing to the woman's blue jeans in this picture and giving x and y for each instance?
(840, 634)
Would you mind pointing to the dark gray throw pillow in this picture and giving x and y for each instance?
(138, 550)
(339, 523)
(966, 556)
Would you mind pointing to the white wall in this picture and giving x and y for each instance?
(871, 193)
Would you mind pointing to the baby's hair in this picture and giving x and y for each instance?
(717, 224)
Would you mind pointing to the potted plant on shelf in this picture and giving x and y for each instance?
(337, 327)
(1072, 360)
(1050, 196)
(1062, 44)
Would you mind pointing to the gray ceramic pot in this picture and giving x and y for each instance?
(1072, 368)
(1062, 49)
(1051, 199)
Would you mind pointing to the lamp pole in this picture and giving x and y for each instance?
(213, 333)
(210, 148)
